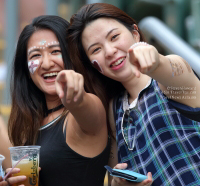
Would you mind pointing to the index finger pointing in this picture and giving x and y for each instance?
(60, 84)
(131, 55)
(61, 77)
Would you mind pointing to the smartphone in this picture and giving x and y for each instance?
(126, 174)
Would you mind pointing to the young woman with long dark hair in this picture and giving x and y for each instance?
(51, 108)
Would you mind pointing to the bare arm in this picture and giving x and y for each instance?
(86, 108)
(4, 144)
(177, 80)
(172, 72)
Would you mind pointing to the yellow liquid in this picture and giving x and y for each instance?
(30, 170)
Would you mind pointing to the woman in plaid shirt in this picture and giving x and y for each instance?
(152, 132)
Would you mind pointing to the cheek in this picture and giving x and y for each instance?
(62, 65)
(34, 79)
(37, 81)
(33, 65)
(58, 60)
(126, 44)
(59, 56)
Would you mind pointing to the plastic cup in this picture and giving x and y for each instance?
(1, 160)
(27, 159)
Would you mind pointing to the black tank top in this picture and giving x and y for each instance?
(61, 166)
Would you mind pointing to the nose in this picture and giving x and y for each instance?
(46, 62)
(110, 50)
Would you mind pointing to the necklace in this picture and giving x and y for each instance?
(54, 109)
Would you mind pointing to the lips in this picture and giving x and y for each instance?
(50, 75)
(117, 62)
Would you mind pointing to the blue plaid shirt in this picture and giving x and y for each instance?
(166, 143)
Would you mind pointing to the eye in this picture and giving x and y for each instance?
(35, 55)
(115, 36)
(56, 52)
(95, 50)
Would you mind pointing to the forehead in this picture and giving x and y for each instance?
(41, 36)
(99, 28)
(101, 24)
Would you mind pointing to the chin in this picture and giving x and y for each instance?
(50, 92)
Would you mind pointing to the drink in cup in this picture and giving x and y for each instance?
(27, 159)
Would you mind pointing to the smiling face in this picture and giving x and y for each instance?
(107, 41)
(44, 60)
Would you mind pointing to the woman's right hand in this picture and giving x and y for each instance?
(122, 182)
(12, 180)
(69, 87)
(144, 58)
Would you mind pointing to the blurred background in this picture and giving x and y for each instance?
(172, 26)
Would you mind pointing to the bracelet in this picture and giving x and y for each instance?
(139, 44)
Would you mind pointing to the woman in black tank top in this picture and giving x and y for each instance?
(51, 107)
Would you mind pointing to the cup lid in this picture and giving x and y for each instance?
(25, 147)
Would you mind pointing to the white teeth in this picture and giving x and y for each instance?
(51, 74)
(118, 62)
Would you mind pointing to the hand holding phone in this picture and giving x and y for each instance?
(126, 174)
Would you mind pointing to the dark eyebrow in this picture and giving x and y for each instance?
(106, 37)
(111, 32)
(51, 46)
(38, 49)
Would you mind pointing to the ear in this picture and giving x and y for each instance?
(135, 33)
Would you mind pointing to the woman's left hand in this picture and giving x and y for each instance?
(144, 58)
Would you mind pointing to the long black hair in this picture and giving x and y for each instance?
(28, 102)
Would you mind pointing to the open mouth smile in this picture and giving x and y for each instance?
(51, 75)
(118, 62)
